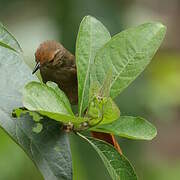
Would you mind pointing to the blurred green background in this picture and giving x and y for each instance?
(155, 95)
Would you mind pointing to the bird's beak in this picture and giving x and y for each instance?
(36, 67)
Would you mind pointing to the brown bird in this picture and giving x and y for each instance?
(57, 64)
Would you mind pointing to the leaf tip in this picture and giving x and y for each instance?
(160, 26)
(155, 133)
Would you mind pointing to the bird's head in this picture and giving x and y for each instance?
(46, 53)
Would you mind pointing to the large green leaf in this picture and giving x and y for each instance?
(127, 54)
(117, 165)
(49, 101)
(129, 127)
(91, 37)
(49, 149)
(39, 96)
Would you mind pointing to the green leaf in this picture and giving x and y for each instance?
(129, 127)
(7, 40)
(54, 116)
(117, 165)
(49, 149)
(91, 37)
(49, 101)
(102, 111)
(40, 97)
(61, 94)
(19, 111)
(64, 118)
(127, 54)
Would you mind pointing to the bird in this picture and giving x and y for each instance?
(58, 65)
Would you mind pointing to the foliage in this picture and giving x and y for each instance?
(105, 66)
(49, 149)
